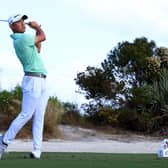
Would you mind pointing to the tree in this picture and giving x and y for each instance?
(124, 68)
(127, 61)
(122, 83)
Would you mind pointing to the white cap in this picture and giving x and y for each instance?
(14, 18)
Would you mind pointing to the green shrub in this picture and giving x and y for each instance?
(108, 116)
(72, 115)
(53, 115)
(10, 107)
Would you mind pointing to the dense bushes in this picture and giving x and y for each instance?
(129, 88)
(56, 113)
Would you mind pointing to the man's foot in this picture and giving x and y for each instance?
(35, 154)
(3, 146)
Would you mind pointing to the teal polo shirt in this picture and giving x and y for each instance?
(27, 53)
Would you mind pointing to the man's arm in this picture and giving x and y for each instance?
(40, 35)
(38, 45)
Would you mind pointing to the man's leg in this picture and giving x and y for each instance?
(28, 108)
(38, 120)
(2, 146)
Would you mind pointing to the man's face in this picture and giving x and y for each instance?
(18, 27)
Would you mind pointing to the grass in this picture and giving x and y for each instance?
(83, 160)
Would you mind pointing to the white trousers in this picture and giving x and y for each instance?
(34, 103)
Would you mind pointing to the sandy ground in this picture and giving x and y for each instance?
(77, 139)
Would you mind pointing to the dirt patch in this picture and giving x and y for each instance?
(75, 133)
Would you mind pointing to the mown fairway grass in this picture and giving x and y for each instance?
(83, 160)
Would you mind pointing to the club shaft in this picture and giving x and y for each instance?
(3, 20)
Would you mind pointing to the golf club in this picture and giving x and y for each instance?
(2, 20)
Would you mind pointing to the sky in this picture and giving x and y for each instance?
(79, 33)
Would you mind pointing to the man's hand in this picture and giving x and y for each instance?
(34, 25)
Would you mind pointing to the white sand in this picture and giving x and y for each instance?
(106, 146)
(85, 140)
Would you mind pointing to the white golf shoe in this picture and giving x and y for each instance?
(35, 154)
(2, 146)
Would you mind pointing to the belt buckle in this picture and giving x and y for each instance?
(42, 76)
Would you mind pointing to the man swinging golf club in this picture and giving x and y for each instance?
(35, 97)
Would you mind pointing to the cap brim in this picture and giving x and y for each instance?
(24, 17)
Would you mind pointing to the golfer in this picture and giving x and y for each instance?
(35, 97)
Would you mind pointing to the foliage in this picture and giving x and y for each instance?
(72, 115)
(140, 98)
(53, 114)
(10, 106)
(17, 93)
(147, 108)
(153, 68)
(10, 100)
(100, 115)
(127, 61)
(108, 116)
(124, 67)
(121, 82)
(5, 100)
(159, 88)
(159, 91)
(97, 84)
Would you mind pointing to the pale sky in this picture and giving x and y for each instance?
(79, 33)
